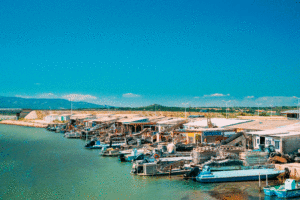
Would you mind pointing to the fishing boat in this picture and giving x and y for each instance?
(98, 145)
(72, 135)
(109, 152)
(206, 176)
(223, 164)
(161, 166)
(94, 144)
(135, 154)
(290, 189)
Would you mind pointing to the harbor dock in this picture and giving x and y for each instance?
(233, 149)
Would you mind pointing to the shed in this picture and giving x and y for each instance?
(292, 113)
(168, 122)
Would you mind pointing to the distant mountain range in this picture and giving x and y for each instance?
(32, 103)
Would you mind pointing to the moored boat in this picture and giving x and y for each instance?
(161, 166)
(110, 152)
(290, 189)
(72, 135)
(135, 154)
(270, 190)
(206, 176)
(98, 145)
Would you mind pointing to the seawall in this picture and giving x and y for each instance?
(24, 123)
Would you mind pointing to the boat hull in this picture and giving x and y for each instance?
(269, 192)
(95, 147)
(235, 179)
(73, 137)
(206, 176)
(174, 172)
(110, 155)
(288, 193)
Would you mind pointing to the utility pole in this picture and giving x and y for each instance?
(71, 105)
(258, 108)
(185, 107)
(298, 112)
(271, 109)
(226, 107)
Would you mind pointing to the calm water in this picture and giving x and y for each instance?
(37, 164)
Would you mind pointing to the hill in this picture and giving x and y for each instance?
(54, 104)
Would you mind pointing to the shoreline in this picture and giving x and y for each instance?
(23, 123)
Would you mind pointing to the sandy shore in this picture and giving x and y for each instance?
(37, 123)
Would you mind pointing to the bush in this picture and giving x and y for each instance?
(263, 114)
(243, 114)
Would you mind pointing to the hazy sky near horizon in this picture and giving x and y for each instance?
(132, 53)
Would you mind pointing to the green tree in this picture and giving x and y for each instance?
(263, 114)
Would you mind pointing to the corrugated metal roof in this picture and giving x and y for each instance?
(219, 122)
(207, 129)
(264, 124)
(128, 120)
(280, 130)
(171, 121)
(288, 134)
(291, 112)
(103, 119)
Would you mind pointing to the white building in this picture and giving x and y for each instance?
(53, 117)
(218, 122)
(65, 117)
(285, 139)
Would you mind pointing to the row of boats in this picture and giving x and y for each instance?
(165, 160)
(161, 159)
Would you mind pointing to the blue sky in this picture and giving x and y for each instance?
(133, 53)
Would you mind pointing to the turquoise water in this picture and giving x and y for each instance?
(37, 164)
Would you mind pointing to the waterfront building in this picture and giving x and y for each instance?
(209, 130)
(285, 139)
(135, 124)
(56, 117)
(51, 118)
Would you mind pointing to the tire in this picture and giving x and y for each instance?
(272, 154)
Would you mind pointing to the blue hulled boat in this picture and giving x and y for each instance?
(270, 190)
(98, 145)
(289, 190)
(134, 155)
(206, 176)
